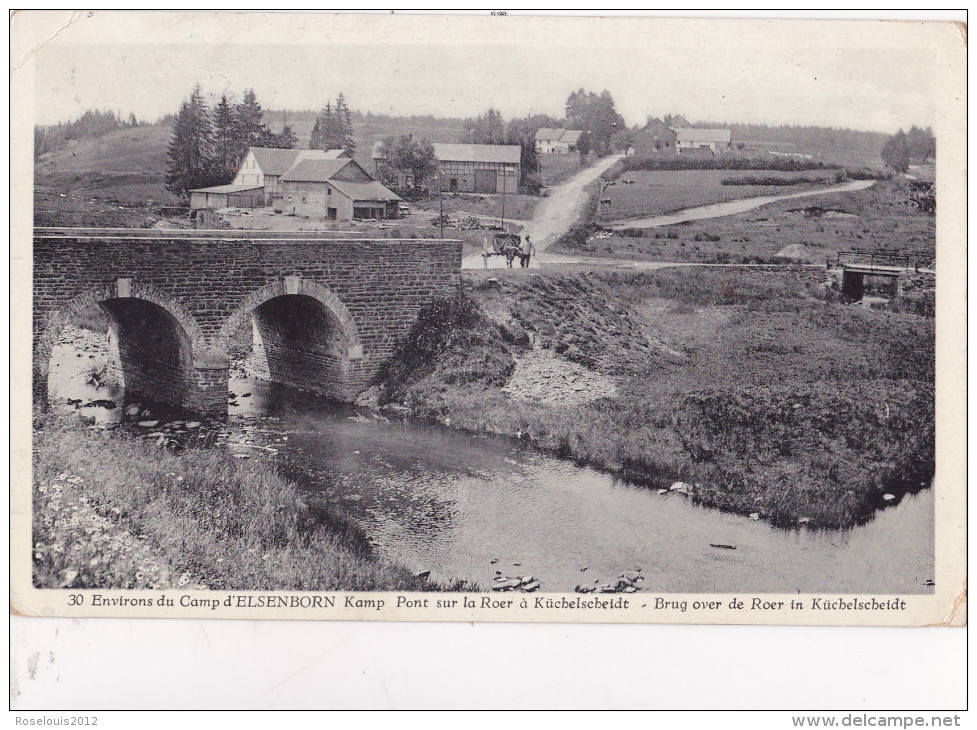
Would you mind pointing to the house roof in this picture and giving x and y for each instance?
(677, 121)
(318, 170)
(449, 152)
(227, 189)
(364, 191)
(274, 161)
(506, 153)
(551, 134)
(703, 136)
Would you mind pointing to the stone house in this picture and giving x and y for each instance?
(655, 139)
(335, 189)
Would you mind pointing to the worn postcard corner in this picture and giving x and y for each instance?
(488, 318)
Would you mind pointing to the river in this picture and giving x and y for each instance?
(732, 207)
(469, 507)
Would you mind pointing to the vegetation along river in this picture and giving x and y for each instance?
(465, 506)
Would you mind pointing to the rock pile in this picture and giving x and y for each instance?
(517, 584)
(543, 376)
(624, 583)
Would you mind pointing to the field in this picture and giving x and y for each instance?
(756, 388)
(555, 169)
(811, 229)
(656, 192)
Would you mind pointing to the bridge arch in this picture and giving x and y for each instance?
(303, 336)
(159, 341)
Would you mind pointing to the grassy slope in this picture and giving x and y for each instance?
(202, 514)
(770, 398)
(126, 166)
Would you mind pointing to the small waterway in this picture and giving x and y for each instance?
(469, 507)
(733, 207)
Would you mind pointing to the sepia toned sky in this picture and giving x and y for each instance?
(861, 74)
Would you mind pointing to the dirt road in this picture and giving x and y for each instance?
(553, 216)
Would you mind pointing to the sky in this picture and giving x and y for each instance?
(810, 73)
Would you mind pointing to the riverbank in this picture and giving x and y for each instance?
(756, 389)
(114, 511)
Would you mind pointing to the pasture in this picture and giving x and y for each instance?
(656, 192)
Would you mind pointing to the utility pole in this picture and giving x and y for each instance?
(504, 172)
(440, 206)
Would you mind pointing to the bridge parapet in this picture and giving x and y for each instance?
(331, 310)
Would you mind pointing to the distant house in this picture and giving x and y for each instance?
(655, 139)
(468, 168)
(227, 196)
(559, 141)
(335, 189)
(699, 141)
(264, 166)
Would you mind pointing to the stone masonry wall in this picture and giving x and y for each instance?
(371, 291)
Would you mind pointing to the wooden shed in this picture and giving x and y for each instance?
(227, 196)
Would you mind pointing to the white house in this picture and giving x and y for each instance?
(559, 141)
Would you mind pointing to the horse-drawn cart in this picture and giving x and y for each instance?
(503, 244)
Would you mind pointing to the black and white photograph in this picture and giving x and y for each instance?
(486, 318)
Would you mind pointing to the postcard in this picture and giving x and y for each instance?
(488, 318)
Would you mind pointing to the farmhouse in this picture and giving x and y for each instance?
(654, 139)
(559, 141)
(469, 168)
(335, 189)
(264, 166)
(702, 141)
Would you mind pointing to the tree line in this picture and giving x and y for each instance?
(93, 123)
(209, 145)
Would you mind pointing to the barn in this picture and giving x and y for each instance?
(227, 196)
(478, 168)
(469, 168)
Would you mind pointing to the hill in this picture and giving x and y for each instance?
(127, 166)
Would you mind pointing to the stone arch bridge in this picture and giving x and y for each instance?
(327, 312)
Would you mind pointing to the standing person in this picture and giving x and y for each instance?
(486, 249)
(528, 249)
